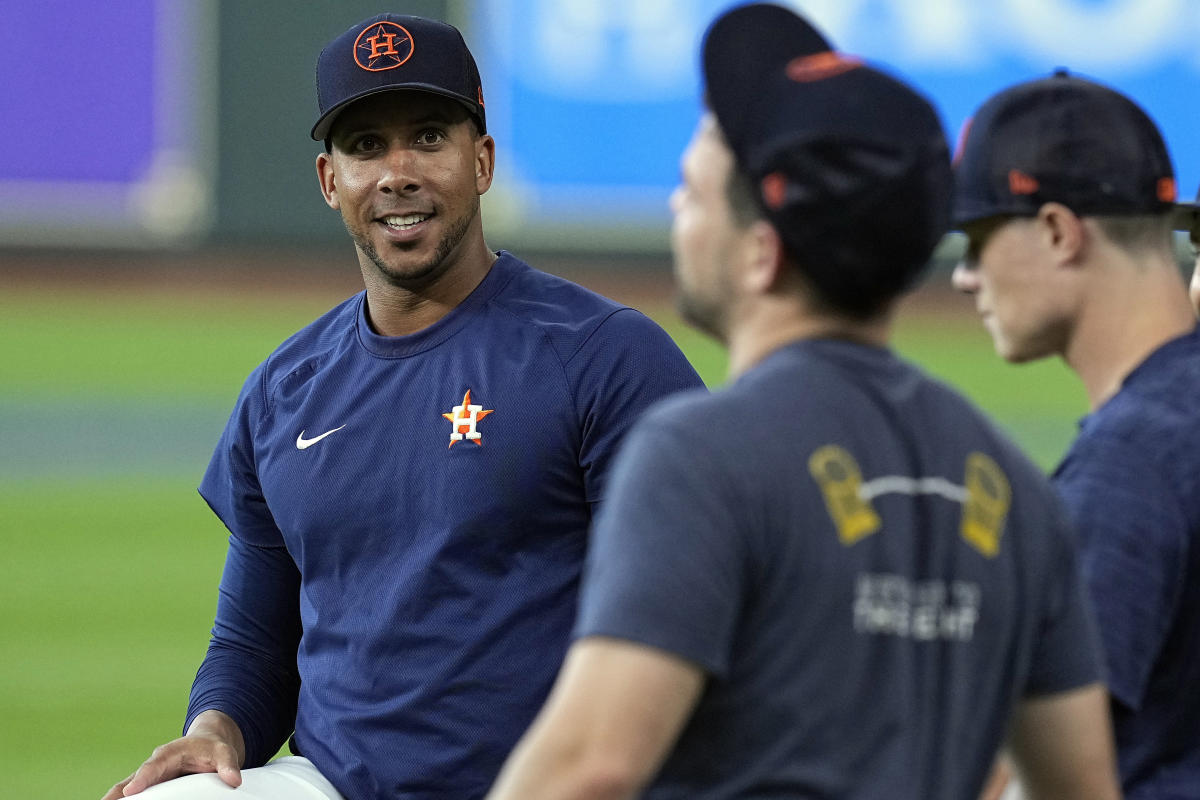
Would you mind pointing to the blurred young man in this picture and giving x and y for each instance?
(409, 481)
(833, 578)
(1064, 189)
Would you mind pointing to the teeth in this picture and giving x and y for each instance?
(403, 221)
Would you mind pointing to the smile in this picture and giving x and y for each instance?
(404, 222)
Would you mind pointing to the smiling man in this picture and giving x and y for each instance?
(1064, 189)
(409, 480)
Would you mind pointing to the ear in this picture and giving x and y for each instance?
(762, 257)
(485, 163)
(1062, 232)
(328, 181)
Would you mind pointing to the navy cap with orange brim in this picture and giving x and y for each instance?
(850, 164)
(1061, 139)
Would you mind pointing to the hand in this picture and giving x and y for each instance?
(213, 743)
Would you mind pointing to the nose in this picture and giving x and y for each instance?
(399, 171)
(964, 278)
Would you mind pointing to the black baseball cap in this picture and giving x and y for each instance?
(1061, 139)
(850, 165)
(394, 51)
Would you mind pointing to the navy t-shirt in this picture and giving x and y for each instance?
(409, 519)
(1131, 483)
(868, 573)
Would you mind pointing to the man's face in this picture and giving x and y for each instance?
(1016, 288)
(406, 170)
(703, 231)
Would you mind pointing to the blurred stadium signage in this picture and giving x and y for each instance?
(108, 117)
(591, 102)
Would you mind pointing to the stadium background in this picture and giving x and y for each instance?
(161, 232)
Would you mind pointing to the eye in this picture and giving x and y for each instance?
(367, 143)
(431, 136)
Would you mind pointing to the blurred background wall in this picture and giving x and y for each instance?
(184, 123)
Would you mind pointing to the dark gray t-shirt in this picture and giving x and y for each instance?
(870, 575)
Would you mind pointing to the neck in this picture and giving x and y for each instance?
(1133, 311)
(400, 308)
(777, 325)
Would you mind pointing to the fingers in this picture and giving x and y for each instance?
(117, 791)
(185, 756)
(230, 773)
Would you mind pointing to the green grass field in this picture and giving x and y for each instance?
(109, 407)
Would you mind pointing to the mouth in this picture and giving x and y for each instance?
(404, 222)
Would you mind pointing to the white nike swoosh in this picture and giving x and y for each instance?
(302, 443)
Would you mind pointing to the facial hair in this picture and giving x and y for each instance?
(431, 269)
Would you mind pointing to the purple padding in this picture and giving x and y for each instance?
(77, 82)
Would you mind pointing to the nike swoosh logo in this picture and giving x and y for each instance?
(304, 444)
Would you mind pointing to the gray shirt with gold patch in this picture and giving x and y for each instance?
(868, 572)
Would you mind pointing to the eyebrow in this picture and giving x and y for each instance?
(353, 126)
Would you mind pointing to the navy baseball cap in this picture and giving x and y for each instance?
(393, 51)
(850, 165)
(1061, 139)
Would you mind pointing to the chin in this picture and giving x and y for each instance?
(704, 317)
(1016, 355)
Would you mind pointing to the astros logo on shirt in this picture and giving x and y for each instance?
(465, 420)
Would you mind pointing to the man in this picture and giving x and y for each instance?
(833, 578)
(1064, 190)
(409, 480)
(1187, 219)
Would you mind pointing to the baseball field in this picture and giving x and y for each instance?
(112, 393)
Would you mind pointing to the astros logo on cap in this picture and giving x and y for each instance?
(382, 46)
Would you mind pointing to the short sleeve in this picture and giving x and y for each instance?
(668, 563)
(230, 485)
(1133, 546)
(1066, 652)
(628, 364)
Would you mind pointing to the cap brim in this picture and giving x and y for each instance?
(321, 130)
(740, 47)
(1184, 216)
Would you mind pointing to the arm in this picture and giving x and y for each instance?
(1062, 746)
(612, 717)
(249, 672)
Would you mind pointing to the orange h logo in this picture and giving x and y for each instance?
(383, 45)
(388, 48)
